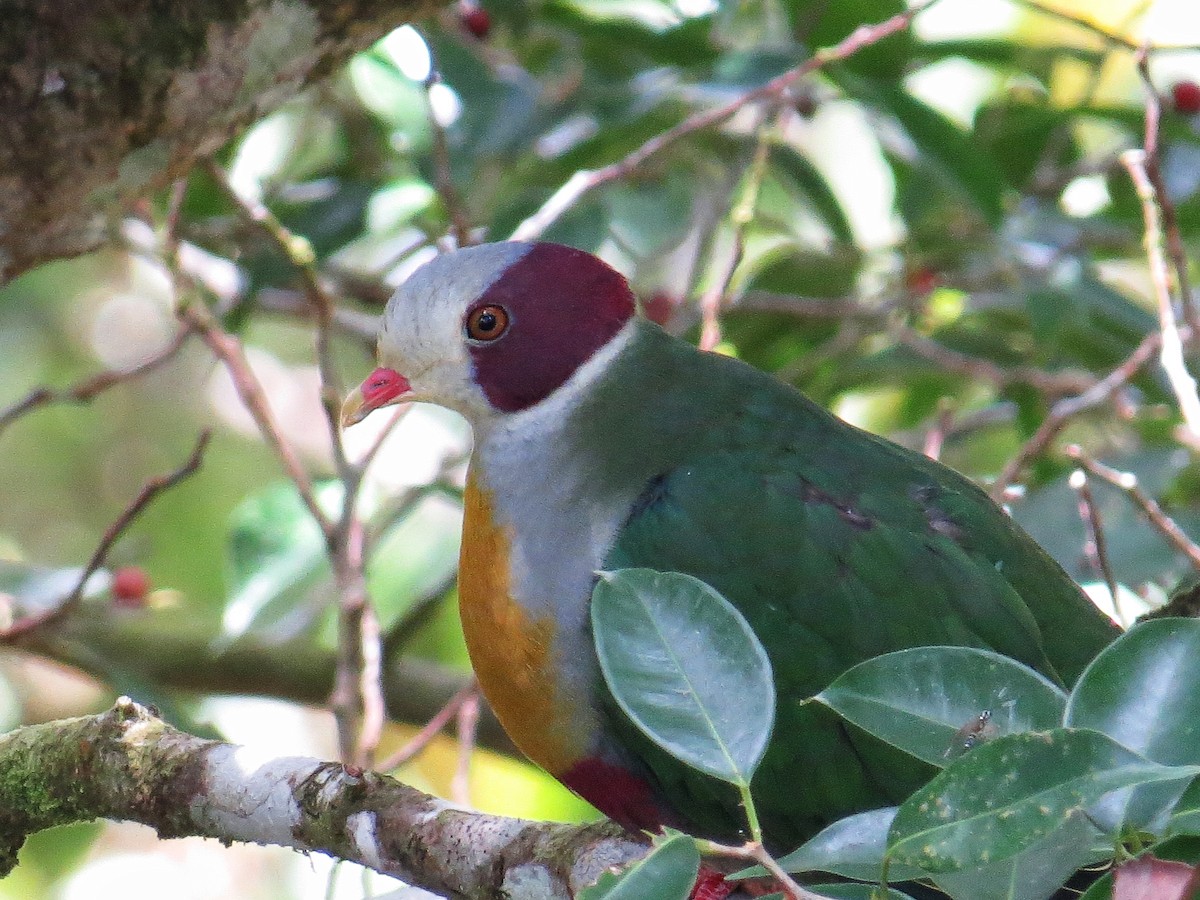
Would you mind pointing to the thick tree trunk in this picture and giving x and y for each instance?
(103, 100)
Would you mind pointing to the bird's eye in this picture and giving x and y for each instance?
(487, 323)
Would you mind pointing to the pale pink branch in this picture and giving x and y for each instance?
(1067, 408)
(1095, 546)
(1128, 483)
(431, 729)
(1171, 349)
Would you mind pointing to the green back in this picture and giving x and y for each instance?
(836, 545)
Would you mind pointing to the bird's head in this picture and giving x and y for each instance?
(493, 329)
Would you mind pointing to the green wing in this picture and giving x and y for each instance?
(838, 546)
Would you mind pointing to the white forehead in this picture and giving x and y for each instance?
(456, 278)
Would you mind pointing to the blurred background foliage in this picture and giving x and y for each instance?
(934, 238)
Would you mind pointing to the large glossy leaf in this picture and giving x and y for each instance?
(1143, 691)
(935, 702)
(667, 872)
(685, 666)
(1035, 873)
(1009, 794)
(852, 847)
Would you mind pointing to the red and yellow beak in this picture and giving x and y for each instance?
(383, 387)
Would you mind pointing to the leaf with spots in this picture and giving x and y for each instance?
(937, 702)
(1008, 794)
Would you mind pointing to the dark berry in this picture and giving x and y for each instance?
(921, 280)
(1186, 96)
(475, 19)
(660, 307)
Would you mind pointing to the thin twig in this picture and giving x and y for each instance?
(149, 491)
(87, 390)
(431, 729)
(935, 437)
(1069, 407)
(740, 217)
(1109, 37)
(357, 700)
(757, 853)
(1095, 547)
(1128, 482)
(839, 308)
(228, 349)
(1171, 350)
(585, 181)
(468, 723)
(1053, 384)
(443, 178)
(1165, 206)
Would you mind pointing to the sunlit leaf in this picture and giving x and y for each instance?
(686, 667)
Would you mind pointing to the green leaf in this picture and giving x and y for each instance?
(686, 668)
(1007, 795)
(942, 144)
(667, 872)
(852, 847)
(1037, 872)
(415, 558)
(928, 701)
(808, 179)
(844, 891)
(1185, 816)
(1143, 691)
(276, 558)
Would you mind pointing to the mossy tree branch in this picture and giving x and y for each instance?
(128, 764)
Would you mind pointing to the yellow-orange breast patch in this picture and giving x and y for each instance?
(512, 653)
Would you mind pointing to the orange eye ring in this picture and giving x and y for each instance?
(486, 323)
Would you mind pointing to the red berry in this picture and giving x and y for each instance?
(475, 19)
(921, 281)
(1186, 96)
(130, 585)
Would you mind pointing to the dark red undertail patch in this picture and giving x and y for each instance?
(563, 305)
(621, 795)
